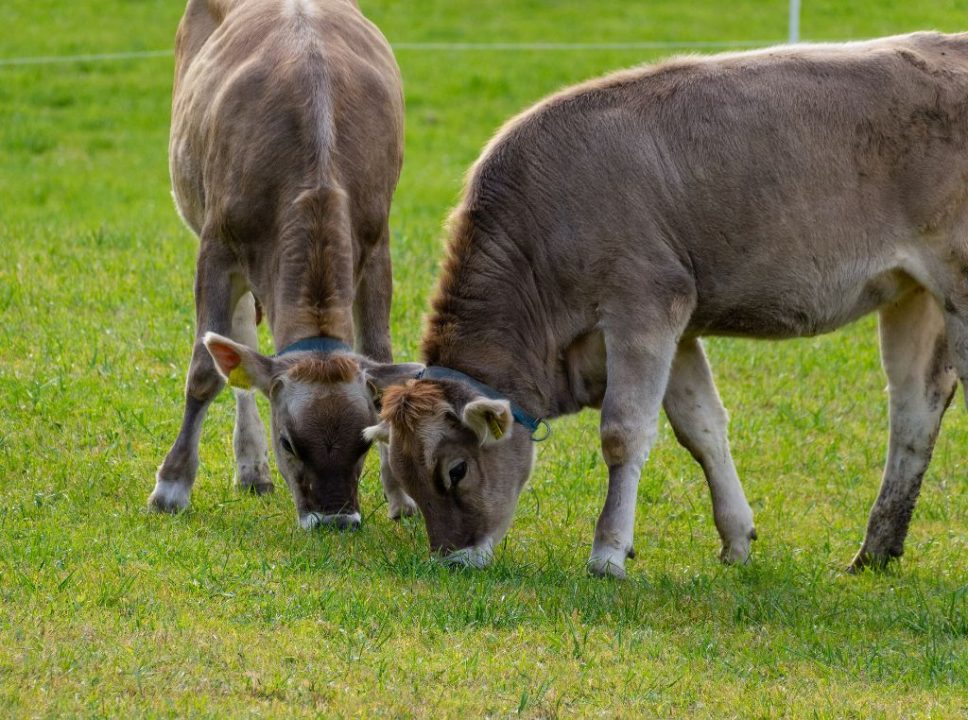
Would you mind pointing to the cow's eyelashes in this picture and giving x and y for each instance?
(457, 473)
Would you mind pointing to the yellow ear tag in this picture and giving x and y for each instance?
(495, 427)
(239, 378)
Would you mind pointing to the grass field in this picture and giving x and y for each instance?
(229, 610)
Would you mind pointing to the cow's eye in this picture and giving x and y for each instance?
(286, 445)
(457, 473)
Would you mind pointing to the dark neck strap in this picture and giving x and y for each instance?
(320, 343)
(435, 372)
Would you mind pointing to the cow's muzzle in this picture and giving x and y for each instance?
(477, 556)
(337, 521)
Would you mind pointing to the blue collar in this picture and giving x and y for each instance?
(320, 343)
(435, 372)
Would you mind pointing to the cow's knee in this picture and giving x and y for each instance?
(203, 382)
(624, 443)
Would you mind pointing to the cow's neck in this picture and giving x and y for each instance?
(293, 323)
(502, 368)
(316, 297)
(492, 327)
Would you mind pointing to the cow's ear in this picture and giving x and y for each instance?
(380, 376)
(491, 420)
(242, 366)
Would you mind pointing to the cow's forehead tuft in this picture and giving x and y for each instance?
(335, 368)
(404, 406)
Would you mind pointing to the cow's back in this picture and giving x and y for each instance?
(277, 101)
(766, 174)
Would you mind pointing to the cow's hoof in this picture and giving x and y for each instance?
(254, 479)
(869, 560)
(608, 562)
(737, 552)
(168, 497)
(399, 508)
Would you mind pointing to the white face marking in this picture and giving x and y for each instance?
(298, 396)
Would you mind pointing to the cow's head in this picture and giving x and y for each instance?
(463, 460)
(321, 402)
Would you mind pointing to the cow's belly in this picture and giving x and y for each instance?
(776, 308)
(186, 178)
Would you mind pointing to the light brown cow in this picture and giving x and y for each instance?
(769, 194)
(286, 145)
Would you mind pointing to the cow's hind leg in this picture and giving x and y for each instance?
(372, 322)
(215, 297)
(921, 381)
(249, 438)
(700, 423)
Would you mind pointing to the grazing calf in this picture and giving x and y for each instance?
(286, 145)
(769, 194)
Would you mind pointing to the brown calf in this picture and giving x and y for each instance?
(286, 145)
(770, 194)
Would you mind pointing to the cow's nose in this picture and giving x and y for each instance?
(337, 521)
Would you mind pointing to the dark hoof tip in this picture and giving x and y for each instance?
(875, 563)
(163, 508)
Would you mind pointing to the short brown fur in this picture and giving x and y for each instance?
(771, 194)
(286, 146)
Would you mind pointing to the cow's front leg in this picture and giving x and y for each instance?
(372, 323)
(699, 420)
(638, 370)
(249, 437)
(213, 311)
(921, 381)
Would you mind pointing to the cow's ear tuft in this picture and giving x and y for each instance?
(377, 433)
(380, 376)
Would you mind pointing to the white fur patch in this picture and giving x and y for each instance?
(170, 495)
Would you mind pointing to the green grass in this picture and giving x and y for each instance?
(229, 610)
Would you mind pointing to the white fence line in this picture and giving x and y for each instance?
(645, 45)
(428, 46)
(794, 22)
(64, 59)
